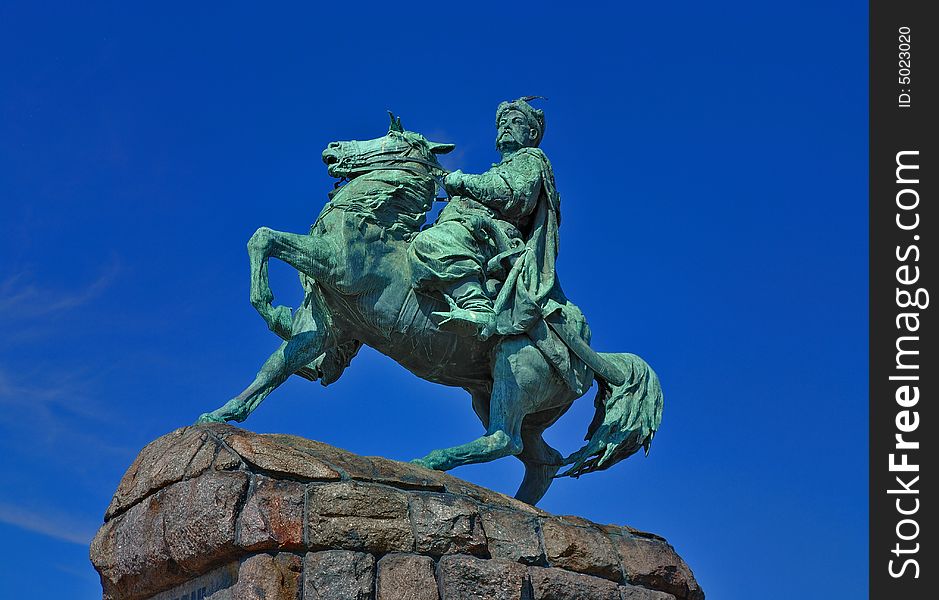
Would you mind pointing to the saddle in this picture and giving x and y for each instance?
(503, 238)
(562, 322)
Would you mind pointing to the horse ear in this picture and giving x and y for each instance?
(438, 148)
(395, 123)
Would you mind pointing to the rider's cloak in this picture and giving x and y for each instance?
(532, 292)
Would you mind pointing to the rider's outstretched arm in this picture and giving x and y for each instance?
(511, 187)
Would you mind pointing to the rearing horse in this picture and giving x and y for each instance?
(356, 275)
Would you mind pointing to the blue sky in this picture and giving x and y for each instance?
(712, 163)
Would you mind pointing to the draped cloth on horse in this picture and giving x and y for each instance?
(518, 258)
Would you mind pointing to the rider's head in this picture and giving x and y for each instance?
(518, 125)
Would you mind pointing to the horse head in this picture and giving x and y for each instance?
(399, 150)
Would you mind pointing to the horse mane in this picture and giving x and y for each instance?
(398, 205)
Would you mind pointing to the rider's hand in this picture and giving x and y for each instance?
(453, 183)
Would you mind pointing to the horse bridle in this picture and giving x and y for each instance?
(364, 163)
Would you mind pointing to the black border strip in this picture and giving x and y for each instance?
(904, 369)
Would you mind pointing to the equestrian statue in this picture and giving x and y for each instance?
(472, 301)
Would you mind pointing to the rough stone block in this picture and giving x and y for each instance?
(461, 577)
(182, 454)
(199, 519)
(170, 537)
(205, 501)
(581, 549)
(627, 530)
(358, 516)
(558, 584)
(486, 496)
(512, 535)
(130, 553)
(266, 577)
(338, 575)
(218, 581)
(653, 563)
(272, 518)
(406, 577)
(632, 592)
(373, 469)
(267, 455)
(446, 524)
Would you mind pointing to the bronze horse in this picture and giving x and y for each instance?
(355, 272)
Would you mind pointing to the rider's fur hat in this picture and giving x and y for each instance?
(535, 116)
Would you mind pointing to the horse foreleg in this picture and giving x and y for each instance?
(303, 252)
(292, 355)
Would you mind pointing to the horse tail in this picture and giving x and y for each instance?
(626, 418)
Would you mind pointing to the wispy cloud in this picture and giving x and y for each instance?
(22, 299)
(56, 525)
(51, 403)
(64, 391)
(56, 411)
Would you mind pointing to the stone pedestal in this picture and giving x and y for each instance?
(213, 511)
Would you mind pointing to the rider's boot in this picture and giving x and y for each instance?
(471, 312)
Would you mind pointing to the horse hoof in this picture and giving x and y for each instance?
(209, 418)
(537, 480)
(434, 463)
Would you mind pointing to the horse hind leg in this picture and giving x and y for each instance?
(542, 462)
(520, 376)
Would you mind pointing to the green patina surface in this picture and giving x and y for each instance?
(472, 301)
